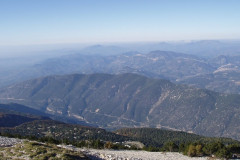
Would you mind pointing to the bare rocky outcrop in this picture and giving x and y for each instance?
(7, 142)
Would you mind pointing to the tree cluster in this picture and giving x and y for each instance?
(192, 149)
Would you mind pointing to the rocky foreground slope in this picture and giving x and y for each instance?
(138, 155)
(12, 148)
(15, 149)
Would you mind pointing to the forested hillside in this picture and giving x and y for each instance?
(127, 100)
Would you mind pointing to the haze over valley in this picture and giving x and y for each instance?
(106, 79)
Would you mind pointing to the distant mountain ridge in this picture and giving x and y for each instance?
(128, 100)
(221, 74)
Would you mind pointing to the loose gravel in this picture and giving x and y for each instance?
(97, 154)
(137, 155)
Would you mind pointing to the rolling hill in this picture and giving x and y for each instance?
(12, 120)
(158, 137)
(45, 128)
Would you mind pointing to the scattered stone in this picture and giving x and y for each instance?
(8, 142)
(135, 155)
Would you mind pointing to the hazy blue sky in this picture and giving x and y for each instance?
(67, 21)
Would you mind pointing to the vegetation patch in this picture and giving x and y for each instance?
(39, 151)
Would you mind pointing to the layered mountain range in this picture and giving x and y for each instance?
(130, 100)
(219, 74)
